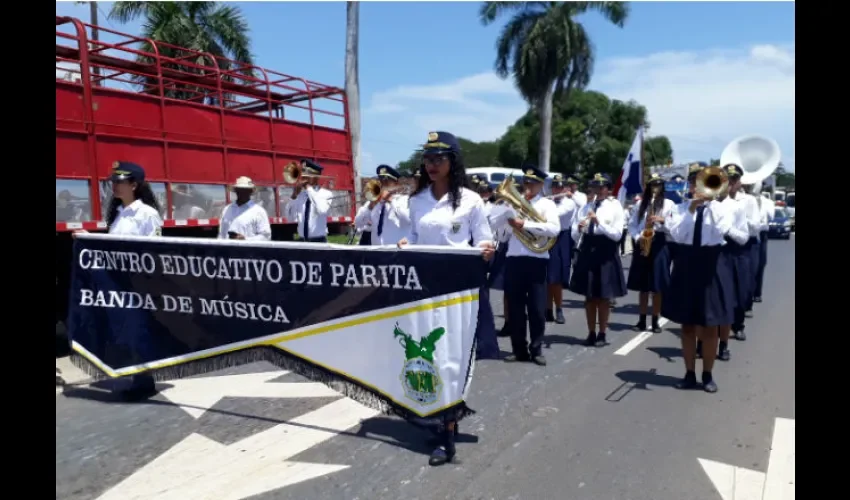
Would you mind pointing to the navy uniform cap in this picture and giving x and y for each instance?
(440, 143)
(476, 180)
(311, 167)
(655, 179)
(571, 180)
(733, 170)
(124, 170)
(388, 172)
(557, 180)
(533, 174)
(600, 180)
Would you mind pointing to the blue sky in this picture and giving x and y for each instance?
(707, 72)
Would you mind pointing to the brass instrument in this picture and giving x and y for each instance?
(648, 232)
(507, 192)
(711, 183)
(293, 173)
(372, 191)
(583, 228)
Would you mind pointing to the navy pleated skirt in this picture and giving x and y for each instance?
(366, 238)
(652, 273)
(701, 288)
(755, 262)
(497, 267)
(598, 273)
(738, 260)
(558, 272)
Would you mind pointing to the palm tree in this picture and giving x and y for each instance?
(352, 84)
(217, 30)
(547, 51)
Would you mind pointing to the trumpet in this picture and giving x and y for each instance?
(293, 173)
(558, 196)
(373, 190)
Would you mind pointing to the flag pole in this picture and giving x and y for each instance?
(644, 167)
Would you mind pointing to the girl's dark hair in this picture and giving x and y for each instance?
(644, 202)
(142, 192)
(457, 179)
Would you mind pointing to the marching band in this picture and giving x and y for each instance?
(699, 263)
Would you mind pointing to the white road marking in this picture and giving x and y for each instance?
(638, 340)
(738, 483)
(202, 469)
(781, 467)
(197, 395)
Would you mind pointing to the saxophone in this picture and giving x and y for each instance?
(648, 232)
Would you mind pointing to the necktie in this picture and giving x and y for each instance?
(307, 208)
(698, 226)
(593, 224)
(381, 219)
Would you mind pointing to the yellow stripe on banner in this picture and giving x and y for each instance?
(272, 341)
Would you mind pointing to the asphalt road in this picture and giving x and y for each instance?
(592, 425)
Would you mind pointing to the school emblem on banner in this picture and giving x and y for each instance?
(419, 377)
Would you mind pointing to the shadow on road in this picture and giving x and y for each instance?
(390, 430)
(642, 379)
(667, 353)
(548, 340)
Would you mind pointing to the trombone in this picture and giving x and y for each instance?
(293, 173)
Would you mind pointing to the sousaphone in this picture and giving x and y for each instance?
(758, 157)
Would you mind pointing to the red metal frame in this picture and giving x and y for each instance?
(223, 124)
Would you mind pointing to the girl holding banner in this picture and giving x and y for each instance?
(133, 211)
(443, 212)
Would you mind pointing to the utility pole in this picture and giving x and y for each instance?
(352, 88)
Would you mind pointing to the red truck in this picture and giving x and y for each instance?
(195, 122)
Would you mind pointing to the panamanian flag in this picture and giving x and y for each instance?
(630, 180)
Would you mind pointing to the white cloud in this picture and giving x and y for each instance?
(700, 100)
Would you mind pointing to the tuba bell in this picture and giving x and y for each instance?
(507, 192)
(758, 157)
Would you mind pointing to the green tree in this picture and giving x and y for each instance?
(547, 52)
(714, 162)
(784, 178)
(590, 133)
(475, 154)
(218, 32)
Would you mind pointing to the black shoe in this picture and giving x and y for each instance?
(656, 328)
(504, 332)
(549, 316)
(441, 455)
(756, 299)
(640, 326)
(513, 358)
(689, 382)
(600, 340)
(559, 316)
(740, 335)
(724, 355)
(590, 341)
(708, 384)
(699, 350)
(539, 360)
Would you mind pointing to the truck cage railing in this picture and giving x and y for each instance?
(138, 65)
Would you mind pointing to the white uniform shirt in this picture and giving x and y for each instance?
(434, 222)
(320, 205)
(137, 219)
(547, 209)
(396, 220)
(567, 210)
(363, 219)
(250, 220)
(737, 215)
(751, 211)
(637, 226)
(609, 219)
(767, 212)
(580, 199)
(716, 223)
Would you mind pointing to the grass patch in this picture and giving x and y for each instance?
(339, 239)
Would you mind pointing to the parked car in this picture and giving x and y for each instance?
(780, 226)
